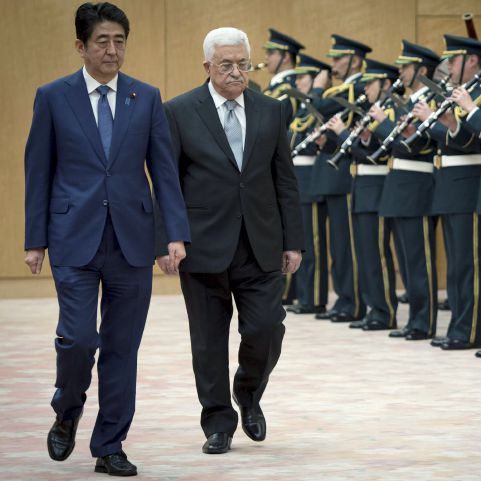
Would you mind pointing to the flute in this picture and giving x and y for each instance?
(313, 136)
(396, 131)
(444, 107)
(365, 121)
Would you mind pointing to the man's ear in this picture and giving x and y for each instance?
(207, 67)
(80, 47)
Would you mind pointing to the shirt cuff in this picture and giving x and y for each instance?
(472, 113)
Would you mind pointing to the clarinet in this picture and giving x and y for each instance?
(396, 131)
(323, 128)
(365, 121)
(444, 107)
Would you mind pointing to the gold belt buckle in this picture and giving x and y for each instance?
(438, 161)
(353, 169)
(390, 163)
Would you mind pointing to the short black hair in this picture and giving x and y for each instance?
(88, 15)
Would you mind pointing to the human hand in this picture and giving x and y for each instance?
(291, 260)
(34, 259)
(336, 125)
(377, 113)
(322, 80)
(463, 99)
(169, 264)
(422, 110)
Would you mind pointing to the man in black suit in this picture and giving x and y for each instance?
(245, 218)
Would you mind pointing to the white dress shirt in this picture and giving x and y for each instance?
(92, 85)
(239, 109)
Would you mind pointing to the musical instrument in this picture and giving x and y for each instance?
(444, 107)
(397, 86)
(313, 136)
(468, 20)
(259, 66)
(396, 131)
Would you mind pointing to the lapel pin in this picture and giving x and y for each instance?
(131, 96)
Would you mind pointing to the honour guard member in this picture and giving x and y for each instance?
(335, 185)
(311, 278)
(458, 171)
(472, 120)
(407, 197)
(281, 54)
(372, 233)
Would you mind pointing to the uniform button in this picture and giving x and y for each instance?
(242, 185)
(105, 202)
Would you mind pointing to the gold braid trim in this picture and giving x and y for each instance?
(300, 124)
(276, 92)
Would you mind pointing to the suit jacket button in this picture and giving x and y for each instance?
(105, 203)
(238, 216)
(242, 185)
(107, 173)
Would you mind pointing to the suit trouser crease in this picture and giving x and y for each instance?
(208, 298)
(124, 305)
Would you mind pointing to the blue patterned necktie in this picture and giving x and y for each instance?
(105, 119)
(233, 132)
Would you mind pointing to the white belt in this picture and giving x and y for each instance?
(363, 169)
(413, 166)
(458, 160)
(301, 160)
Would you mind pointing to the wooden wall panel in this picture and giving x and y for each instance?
(309, 21)
(37, 46)
(165, 49)
(448, 7)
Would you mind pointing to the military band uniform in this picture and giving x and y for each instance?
(335, 186)
(456, 199)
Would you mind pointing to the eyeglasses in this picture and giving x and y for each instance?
(228, 67)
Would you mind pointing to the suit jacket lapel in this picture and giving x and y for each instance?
(252, 126)
(124, 106)
(208, 113)
(78, 98)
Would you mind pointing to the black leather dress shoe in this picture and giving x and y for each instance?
(456, 344)
(326, 316)
(439, 341)
(444, 306)
(61, 438)
(115, 464)
(417, 335)
(374, 325)
(342, 317)
(217, 443)
(358, 324)
(253, 421)
(305, 309)
(477, 353)
(400, 332)
(403, 298)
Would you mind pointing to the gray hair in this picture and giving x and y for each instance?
(224, 36)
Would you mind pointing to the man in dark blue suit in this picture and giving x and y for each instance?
(88, 202)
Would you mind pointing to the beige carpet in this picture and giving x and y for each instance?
(341, 405)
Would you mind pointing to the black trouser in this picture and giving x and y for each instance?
(376, 266)
(344, 268)
(462, 249)
(311, 278)
(417, 240)
(208, 297)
